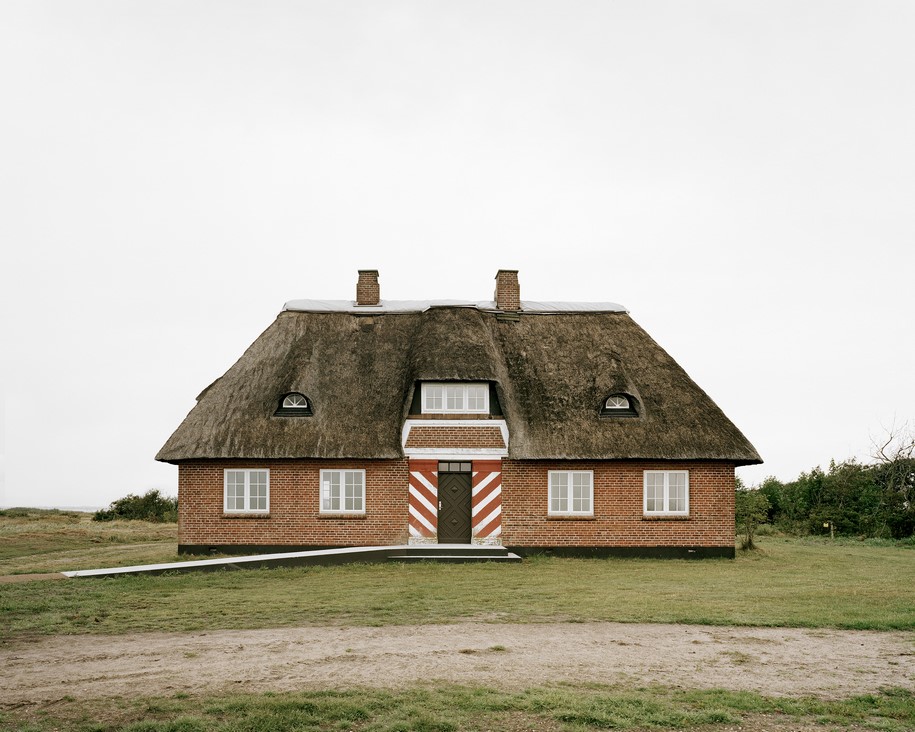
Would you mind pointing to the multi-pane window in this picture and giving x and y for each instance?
(571, 492)
(667, 492)
(458, 398)
(294, 401)
(247, 491)
(343, 491)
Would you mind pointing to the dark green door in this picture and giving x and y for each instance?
(454, 508)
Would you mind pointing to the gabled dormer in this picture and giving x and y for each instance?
(475, 399)
(455, 419)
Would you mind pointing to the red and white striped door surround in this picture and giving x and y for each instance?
(424, 498)
(486, 502)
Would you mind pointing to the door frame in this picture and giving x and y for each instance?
(462, 468)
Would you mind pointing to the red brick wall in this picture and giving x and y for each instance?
(294, 517)
(618, 517)
(618, 520)
(455, 437)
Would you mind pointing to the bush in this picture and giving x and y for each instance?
(848, 499)
(151, 506)
(751, 508)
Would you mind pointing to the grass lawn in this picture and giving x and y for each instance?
(451, 708)
(34, 540)
(791, 582)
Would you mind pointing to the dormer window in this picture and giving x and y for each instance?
(294, 404)
(294, 400)
(619, 405)
(616, 402)
(441, 398)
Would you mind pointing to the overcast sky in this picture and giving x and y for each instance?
(740, 175)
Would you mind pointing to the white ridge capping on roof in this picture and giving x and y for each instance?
(418, 306)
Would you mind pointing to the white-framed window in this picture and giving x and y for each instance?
(616, 402)
(246, 490)
(666, 492)
(571, 493)
(457, 398)
(342, 491)
(295, 401)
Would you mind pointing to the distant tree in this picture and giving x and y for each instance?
(774, 491)
(847, 502)
(894, 473)
(151, 506)
(751, 508)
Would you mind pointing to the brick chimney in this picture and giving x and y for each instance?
(367, 290)
(508, 291)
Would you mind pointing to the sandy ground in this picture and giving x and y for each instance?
(774, 661)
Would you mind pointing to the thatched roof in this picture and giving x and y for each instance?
(552, 372)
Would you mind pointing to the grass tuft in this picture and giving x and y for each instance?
(449, 708)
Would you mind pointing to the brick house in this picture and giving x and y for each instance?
(541, 426)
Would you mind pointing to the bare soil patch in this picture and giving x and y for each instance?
(9, 579)
(771, 661)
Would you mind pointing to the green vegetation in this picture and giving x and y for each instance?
(751, 508)
(850, 499)
(451, 708)
(790, 582)
(151, 506)
(36, 540)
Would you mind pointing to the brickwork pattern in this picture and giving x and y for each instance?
(508, 290)
(618, 516)
(294, 517)
(618, 521)
(368, 291)
(442, 437)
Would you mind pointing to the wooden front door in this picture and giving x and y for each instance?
(454, 505)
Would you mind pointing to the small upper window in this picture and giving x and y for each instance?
(619, 405)
(294, 404)
(294, 400)
(455, 398)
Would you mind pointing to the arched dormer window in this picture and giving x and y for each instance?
(619, 405)
(293, 401)
(294, 404)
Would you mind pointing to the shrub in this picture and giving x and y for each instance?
(751, 508)
(151, 506)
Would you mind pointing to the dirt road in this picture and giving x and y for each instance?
(774, 661)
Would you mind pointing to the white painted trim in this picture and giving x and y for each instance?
(422, 519)
(341, 510)
(422, 499)
(410, 423)
(247, 491)
(549, 493)
(256, 559)
(421, 479)
(666, 474)
(490, 518)
(486, 481)
(456, 453)
(489, 499)
(454, 385)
